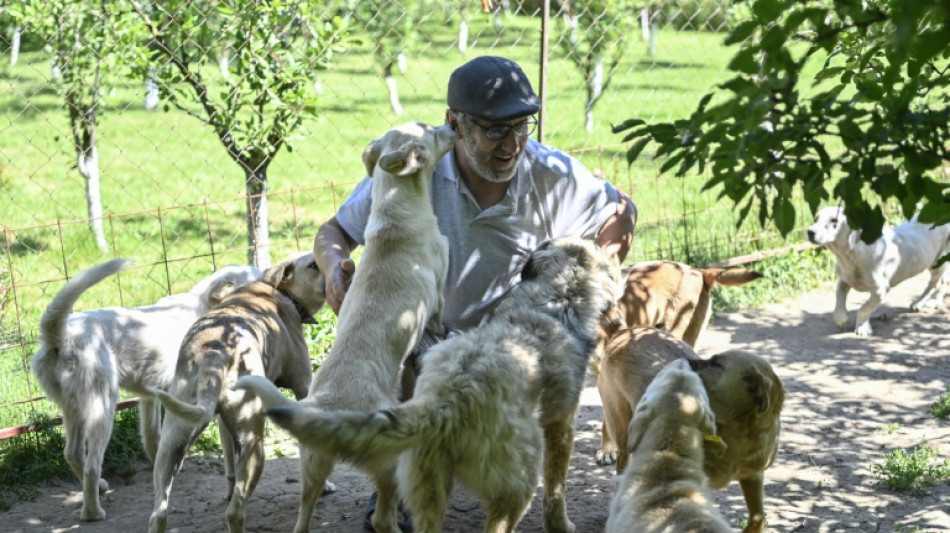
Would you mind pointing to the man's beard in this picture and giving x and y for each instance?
(486, 172)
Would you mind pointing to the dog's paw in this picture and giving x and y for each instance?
(841, 320)
(91, 515)
(863, 330)
(103, 486)
(328, 487)
(606, 457)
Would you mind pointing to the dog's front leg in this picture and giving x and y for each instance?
(862, 323)
(754, 494)
(558, 442)
(841, 310)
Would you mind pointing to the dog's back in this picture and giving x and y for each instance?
(664, 488)
(674, 296)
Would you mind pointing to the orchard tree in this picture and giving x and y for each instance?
(594, 38)
(870, 128)
(391, 25)
(253, 111)
(87, 40)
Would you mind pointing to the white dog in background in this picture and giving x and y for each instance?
(900, 253)
(664, 488)
(85, 357)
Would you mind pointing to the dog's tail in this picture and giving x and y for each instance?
(197, 414)
(265, 389)
(359, 436)
(712, 276)
(730, 277)
(53, 322)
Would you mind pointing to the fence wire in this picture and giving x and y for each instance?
(163, 131)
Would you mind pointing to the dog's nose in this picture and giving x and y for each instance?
(811, 236)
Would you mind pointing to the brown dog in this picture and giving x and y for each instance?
(671, 296)
(744, 392)
(255, 330)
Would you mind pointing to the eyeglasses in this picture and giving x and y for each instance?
(497, 132)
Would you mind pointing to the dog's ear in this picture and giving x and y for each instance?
(219, 290)
(759, 387)
(403, 162)
(371, 156)
(279, 275)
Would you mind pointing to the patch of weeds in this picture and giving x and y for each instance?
(912, 472)
(124, 451)
(941, 408)
(320, 336)
(888, 429)
(29, 460)
(208, 441)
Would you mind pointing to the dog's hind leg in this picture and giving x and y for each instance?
(79, 460)
(862, 322)
(315, 470)
(933, 295)
(227, 447)
(385, 518)
(250, 464)
(504, 511)
(426, 478)
(150, 421)
(177, 436)
(558, 441)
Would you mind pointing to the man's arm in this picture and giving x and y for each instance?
(616, 235)
(331, 250)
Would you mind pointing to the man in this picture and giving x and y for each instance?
(496, 195)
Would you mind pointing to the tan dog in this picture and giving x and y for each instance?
(488, 400)
(667, 295)
(400, 279)
(85, 357)
(664, 489)
(743, 391)
(255, 330)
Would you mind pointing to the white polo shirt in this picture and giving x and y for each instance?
(552, 195)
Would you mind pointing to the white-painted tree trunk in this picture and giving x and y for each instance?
(15, 45)
(151, 91)
(258, 233)
(463, 36)
(88, 162)
(654, 34)
(645, 23)
(394, 95)
(224, 63)
(594, 91)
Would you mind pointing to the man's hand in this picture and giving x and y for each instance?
(338, 283)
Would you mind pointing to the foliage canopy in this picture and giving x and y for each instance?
(871, 126)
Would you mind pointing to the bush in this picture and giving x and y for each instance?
(941, 408)
(912, 472)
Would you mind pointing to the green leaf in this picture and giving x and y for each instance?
(626, 125)
(634, 151)
(745, 62)
(741, 32)
(783, 214)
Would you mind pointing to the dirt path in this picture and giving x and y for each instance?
(841, 391)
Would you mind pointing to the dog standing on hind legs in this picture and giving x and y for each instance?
(400, 278)
(84, 358)
(489, 402)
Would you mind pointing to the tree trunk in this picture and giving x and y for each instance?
(595, 88)
(87, 159)
(393, 90)
(151, 91)
(258, 234)
(15, 45)
(645, 23)
(463, 36)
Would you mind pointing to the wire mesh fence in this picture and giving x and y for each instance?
(153, 130)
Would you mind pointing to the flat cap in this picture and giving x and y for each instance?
(492, 88)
